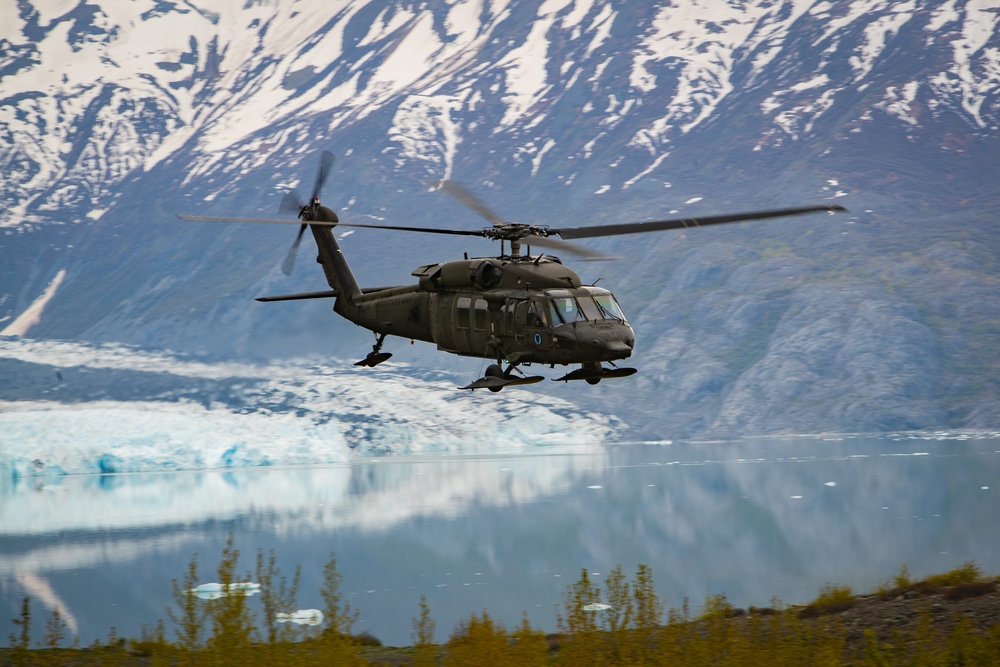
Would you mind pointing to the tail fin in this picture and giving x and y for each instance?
(338, 273)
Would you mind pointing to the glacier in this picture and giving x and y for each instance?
(243, 415)
(115, 116)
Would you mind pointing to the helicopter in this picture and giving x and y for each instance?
(516, 309)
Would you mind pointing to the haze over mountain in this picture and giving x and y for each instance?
(116, 116)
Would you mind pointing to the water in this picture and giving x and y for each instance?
(509, 532)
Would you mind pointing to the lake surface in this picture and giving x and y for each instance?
(509, 532)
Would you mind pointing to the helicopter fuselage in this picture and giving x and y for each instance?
(515, 309)
(528, 310)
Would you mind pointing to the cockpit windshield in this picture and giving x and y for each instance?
(588, 304)
(609, 306)
(565, 310)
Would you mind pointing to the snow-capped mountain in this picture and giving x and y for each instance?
(114, 116)
(97, 93)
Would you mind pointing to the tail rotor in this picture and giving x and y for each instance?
(292, 203)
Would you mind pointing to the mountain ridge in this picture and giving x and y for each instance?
(571, 112)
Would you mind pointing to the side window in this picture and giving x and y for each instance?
(482, 315)
(462, 312)
(536, 315)
(521, 314)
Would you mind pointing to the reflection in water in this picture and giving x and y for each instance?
(215, 590)
(508, 533)
(301, 617)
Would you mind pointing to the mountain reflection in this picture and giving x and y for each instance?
(750, 519)
(372, 494)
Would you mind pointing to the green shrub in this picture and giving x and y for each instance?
(902, 578)
(366, 638)
(717, 606)
(423, 636)
(970, 589)
(830, 594)
(831, 600)
(893, 586)
(968, 572)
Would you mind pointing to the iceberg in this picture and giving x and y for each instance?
(214, 591)
(301, 617)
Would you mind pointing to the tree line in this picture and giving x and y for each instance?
(623, 623)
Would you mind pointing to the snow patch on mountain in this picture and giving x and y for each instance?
(92, 93)
(33, 313)
(525, 68)
(976, 69)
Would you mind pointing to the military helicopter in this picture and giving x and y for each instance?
(515, 309)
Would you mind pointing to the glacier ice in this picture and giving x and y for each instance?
(301, 617)
(229, 415)
(214, 590)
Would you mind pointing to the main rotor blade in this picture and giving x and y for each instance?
(682, 223)
(325, 163)
(557, 244)
(463, 196)
(322, 223)
(267, 221)
(426, 230)
(289, 262)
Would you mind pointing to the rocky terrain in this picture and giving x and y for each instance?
(913, 613)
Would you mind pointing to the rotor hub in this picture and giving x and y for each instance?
(514, 231)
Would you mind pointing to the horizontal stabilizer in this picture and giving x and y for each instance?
(327, 294)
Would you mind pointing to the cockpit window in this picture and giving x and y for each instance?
(536, 315)
(595, 305)
(590, 310)
(565, 310)
(609, 306)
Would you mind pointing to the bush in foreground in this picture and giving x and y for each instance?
(625, 623)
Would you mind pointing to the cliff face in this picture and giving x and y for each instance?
(115, 118)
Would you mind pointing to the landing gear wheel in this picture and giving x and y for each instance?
(596, 366)
(376, 356)
(494, 370)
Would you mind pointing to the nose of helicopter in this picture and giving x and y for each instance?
(602, 341)
(619, 347)
(614, 342)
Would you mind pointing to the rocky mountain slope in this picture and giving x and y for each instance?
(114, 117)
